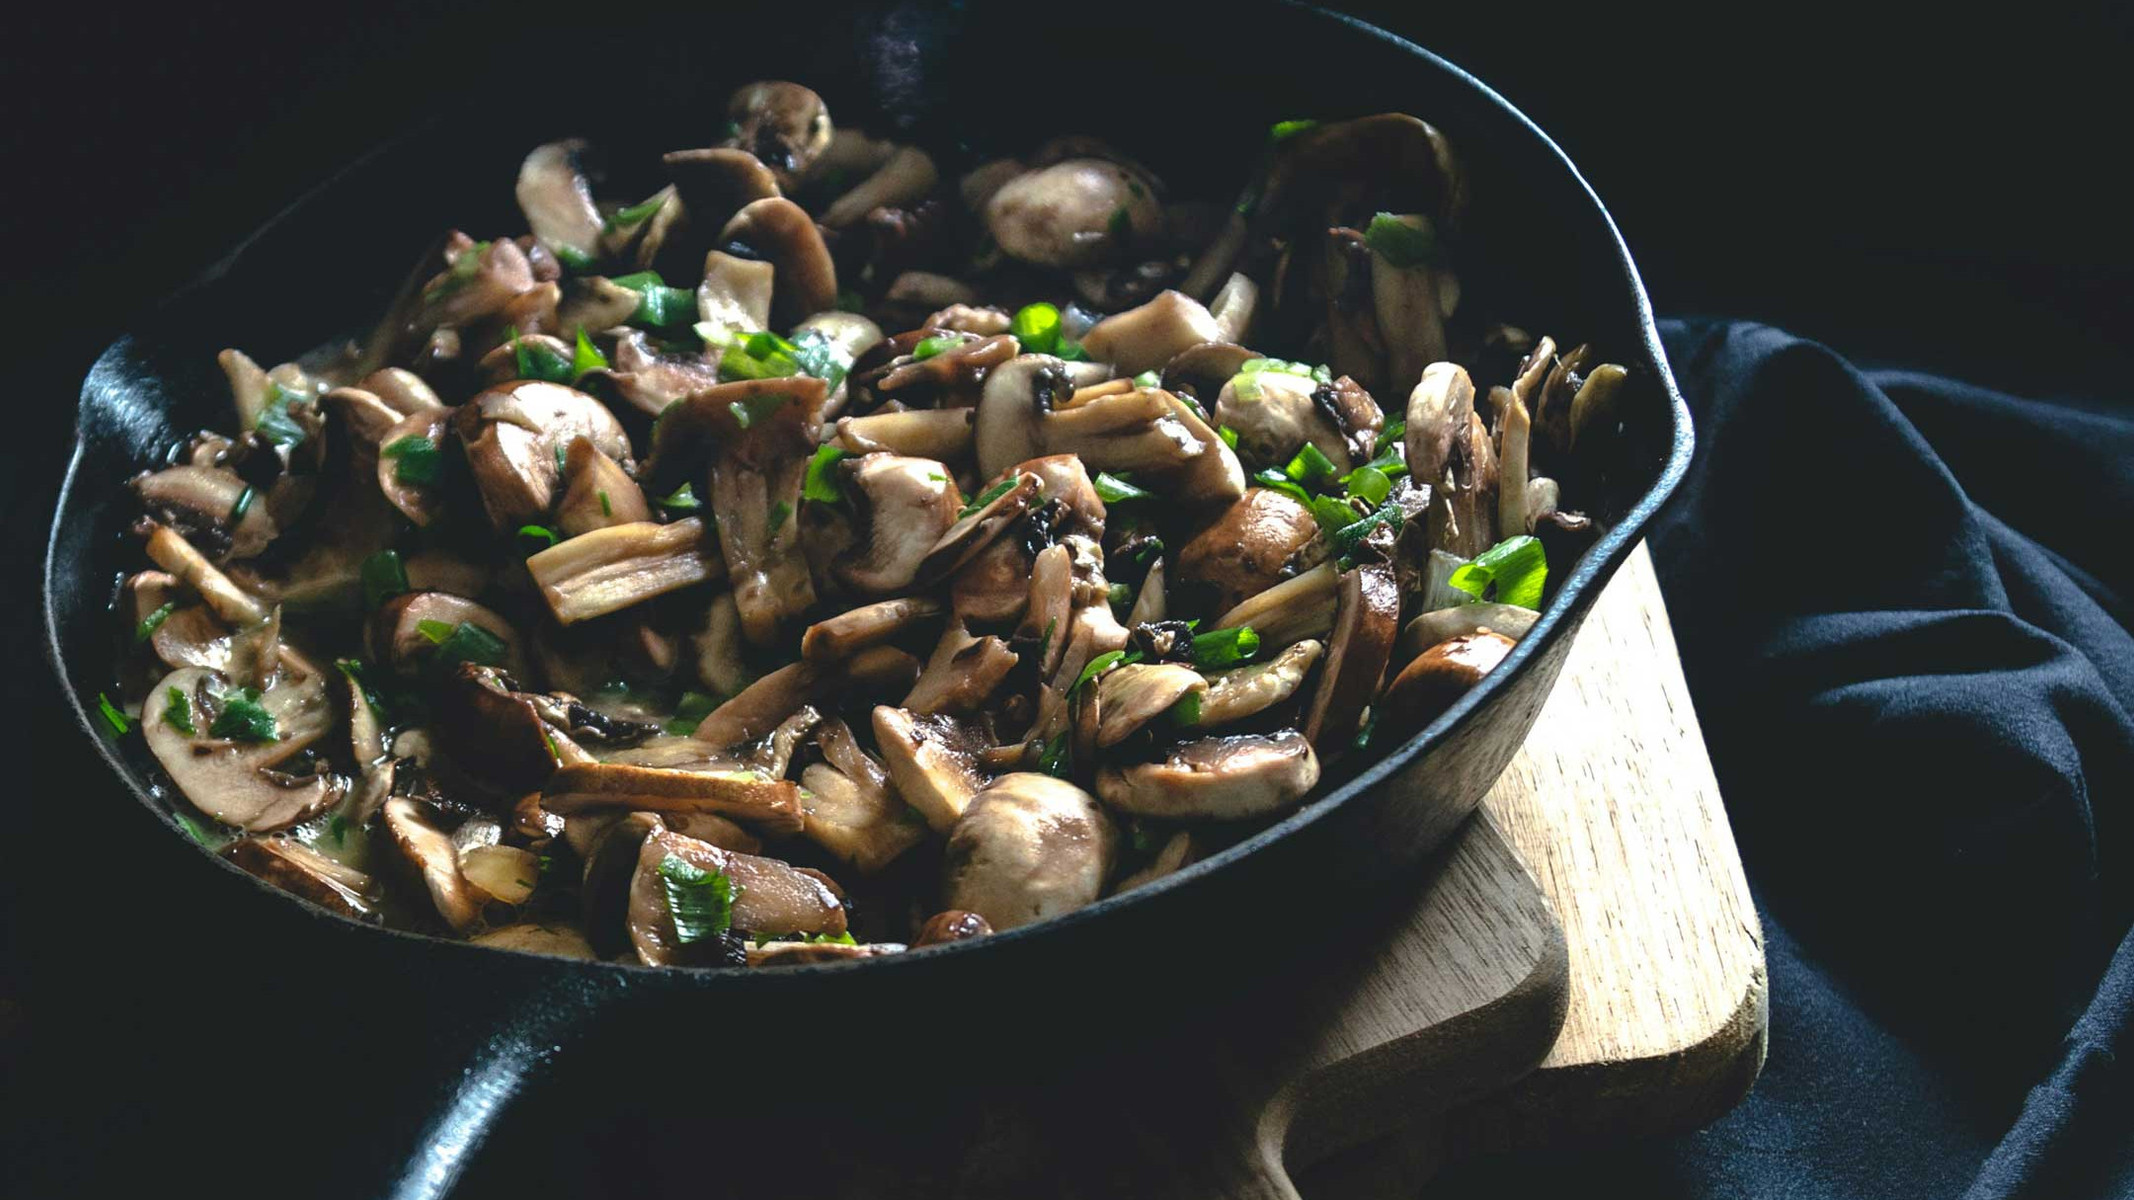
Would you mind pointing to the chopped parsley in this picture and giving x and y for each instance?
(243, 718)
(178, 711)
(701, 902)
(152, 622)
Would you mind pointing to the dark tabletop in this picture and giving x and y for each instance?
(1934, 200)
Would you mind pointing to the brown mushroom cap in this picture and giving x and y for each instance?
(1131, 696)
(1075, 213)
(1438, 677)
(769, 897)
(932, 761)
(783, 124)
(429, 850)
(236, 782)
(955, 925)
(1263, 538)
(781, 232)
(558, 202)
(301, 871)
(901, 507)
(700, 783)
(511, 434)
(1029, 847)
(1366, 622)
(1218, 778)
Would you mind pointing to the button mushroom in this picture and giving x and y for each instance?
(901, 507)
(512, 436)
(610, 569)
(932, 761)
(558, 202)
(301, 871)
(222, 747)
(1438, 677)
(1366, 621)
(1245, 691)
(785, 125)
(1028, 847)
(781, 233)
(1145, 338)
(1075, 213)
(1262, 539)
(1218, 778)
(1441, 625)
(429, 850)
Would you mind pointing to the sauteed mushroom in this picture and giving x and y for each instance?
(816, 509)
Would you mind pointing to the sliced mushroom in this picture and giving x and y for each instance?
(204, 502)
(939, 434)
(1513, 431)
(955, 925)
(499, 873)
(594, 303)
(174, 554)
(907, 175)
(1075, 213)
(597, 492)
(1274, 415)
(1233, 307)
(978, 526)
(1218, 778)
(237, 781)
(768, 897)
(558, 202)
(607, 570)
(1201, 371)
(400, 641)
(610, 866)
(529, 937)
(1366, 622)
(849, 632)
(1444, 624)
(932, 761)
(1437, 678)
(1176, 853)
(1246, 691)
(786, 126)
(301, 871)
(497, 734)
(1152, 603)
(901, 508)
(716, 183)
(418, 498)
(512, 436)
(430, 852)
(1028, 847)
(1262, 539)
(1437, 414)
(781, 233)
(1145, 338)
(858, 820)
(693, 781)
(1131, 696)
(961, 674)
(1408, 302)
(1147, 431)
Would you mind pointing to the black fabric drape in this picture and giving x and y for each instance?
(1903, 609)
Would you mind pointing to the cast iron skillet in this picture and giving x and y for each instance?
(1539, 251)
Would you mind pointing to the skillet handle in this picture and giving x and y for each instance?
(443, 1116)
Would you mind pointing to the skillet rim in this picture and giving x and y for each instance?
(1579, 590)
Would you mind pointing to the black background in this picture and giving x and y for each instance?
(1943, 192)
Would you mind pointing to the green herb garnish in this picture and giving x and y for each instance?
(1352, 535)
(152, 622)
(538, 360)
(1368, 484)
(684, 499)
(821, 484)
(1187, 710)
(1228, 435)
(178, 711)
(243, 718)
(779, 512)
(586, 357)
(658, 306)
(607, 506)
(690, 713)
(113, 718)
(1121, 224)
(1311, 468)
(623, 218)
(929, 347)
(1399, 243)
(1037, 327)
(384, 577)
(701, 902)
(467, 642)
(756, 408)
(416, 459)
(1510, 572)
(1122, 597)
(243, 505)
(539, 533)
(276, 423)
(1395, 430)
(987, 497)
(1112, 489)
(1149, 379)
(1224, 647)
(1054, 760)
(1287, 129)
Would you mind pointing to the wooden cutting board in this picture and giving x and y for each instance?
(1583, 963)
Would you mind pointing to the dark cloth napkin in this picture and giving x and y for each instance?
(1903, 609)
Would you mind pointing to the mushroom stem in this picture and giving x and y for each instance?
(177, 556)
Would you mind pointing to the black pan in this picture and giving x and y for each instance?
(1540, 251)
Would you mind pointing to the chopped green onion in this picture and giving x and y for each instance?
(1369, 484)
(468, 642)
(459, 274)
(1036, 327)
(1268, 477)
(1187, 710)
(937, 477)
(1121, 224)
(684, 499)
(779, 512)
(586, 357)
(384, 577)
(659, 306)
(1395, 430)
(1510, 572)
(623, 218)
(1333, 515)
(1352, 535)
(690, 713)
(275, 422)
(152, 622)
(436, 631)
(701, 902)
(1054, 759)
(1311, 468)
(1363, 735)
(1228, 435)
(243, 718)
(638, 281)
(1286, 129)
(929, 347)
(1069, 350)
(1122, 597)
(563, 466)
(243, 505)
(607, 506)
(1111, 489)
(416, 460)
(112, 716)
(1399, 243)
(195, 830)
(1102, 663)
(1045, 643)
(539, 533)
(536, 360)
(1225, 647)
(822, 484)
(353, 669)
(817, 353)
(1149, 379)
(178, 712)
(987, 497)
(573, 257)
